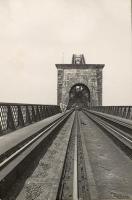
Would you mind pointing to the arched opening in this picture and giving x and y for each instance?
(79, 96)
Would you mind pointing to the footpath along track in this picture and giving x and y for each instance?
(80, 163)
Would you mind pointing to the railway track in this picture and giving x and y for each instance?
(121, 130)
(73, 174)
(74, 180)
(14, 160)
(78, 182)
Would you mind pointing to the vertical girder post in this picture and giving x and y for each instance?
(10, 120)
(20, 117)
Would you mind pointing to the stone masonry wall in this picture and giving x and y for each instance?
(91, 77)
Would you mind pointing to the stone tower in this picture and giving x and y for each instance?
(87, 77)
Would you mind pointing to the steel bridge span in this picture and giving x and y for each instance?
(82, 153)
(76, 150)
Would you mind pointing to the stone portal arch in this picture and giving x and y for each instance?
(79, 95)
(79, 73)
(68, 85)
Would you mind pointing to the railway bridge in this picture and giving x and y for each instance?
(76, 150)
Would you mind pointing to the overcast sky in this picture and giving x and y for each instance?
(34, 35)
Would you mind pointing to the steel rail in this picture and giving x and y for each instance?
(35, 141)
(75, 175)
(91, 183)
(74, 168)
(124, 137)
(3, 163)
(116, 123)
(12, 150)
(104, 116)
(72, 150)
(120, 111)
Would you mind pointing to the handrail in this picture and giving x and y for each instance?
(18, 115)
(121, 111)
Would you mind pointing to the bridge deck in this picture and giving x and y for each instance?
(81, 159)
(111, 167)
(10, 140)
(124, 120)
